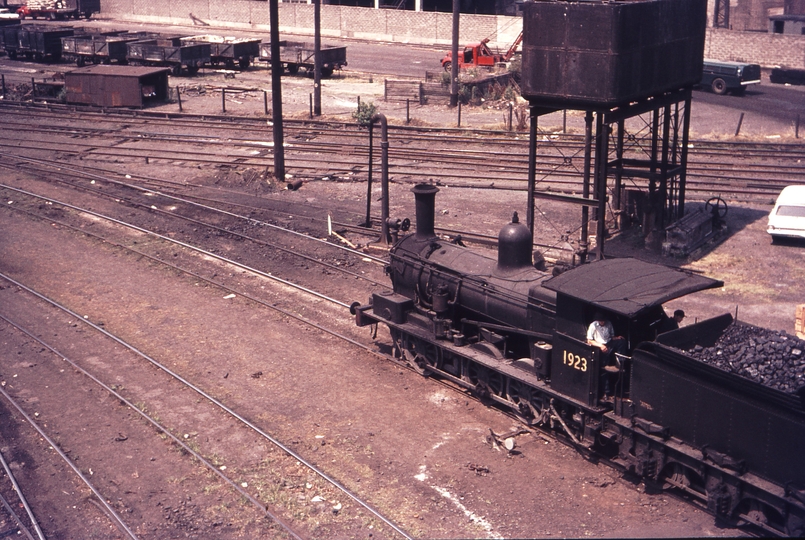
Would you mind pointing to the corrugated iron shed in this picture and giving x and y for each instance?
(117, 86)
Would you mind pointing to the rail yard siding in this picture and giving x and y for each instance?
(426, 28)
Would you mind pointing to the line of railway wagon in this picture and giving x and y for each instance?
(182, 54)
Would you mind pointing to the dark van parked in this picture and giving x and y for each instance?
(723, 77)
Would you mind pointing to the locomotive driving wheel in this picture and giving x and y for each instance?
(422, 356)
(520, 396)
(484, 381)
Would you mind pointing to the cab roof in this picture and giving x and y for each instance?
(627, 286)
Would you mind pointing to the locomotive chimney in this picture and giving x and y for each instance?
(514, 246)
(425, 196)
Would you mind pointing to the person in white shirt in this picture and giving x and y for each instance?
(601, 334)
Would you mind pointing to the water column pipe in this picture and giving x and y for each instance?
(385, 237)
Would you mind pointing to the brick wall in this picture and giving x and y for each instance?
(762, 48)
(425, 28)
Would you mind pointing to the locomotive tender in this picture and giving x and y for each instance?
(516, 337)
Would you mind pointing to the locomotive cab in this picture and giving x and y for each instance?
(629, 293)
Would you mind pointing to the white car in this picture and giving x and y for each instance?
(787, 218)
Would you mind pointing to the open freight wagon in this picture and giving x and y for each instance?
(35, 42)
(100, 48)
(228, 51)
(296, 54)
(169, 52)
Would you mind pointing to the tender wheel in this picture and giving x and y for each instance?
(717, 207)
(192, 70)
(719, 86)
(244, 63)
(293, 69)
(327, 72)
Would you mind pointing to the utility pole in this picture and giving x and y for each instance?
(276, 90)
(317, 58)
(454, 63)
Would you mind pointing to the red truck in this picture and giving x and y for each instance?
(59, 9)
(479, 55)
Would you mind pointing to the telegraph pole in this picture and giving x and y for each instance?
(276, 90)
(317, 58)
(454, 63)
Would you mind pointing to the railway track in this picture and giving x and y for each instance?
(221, 406)
(315, 150)
(136, 206)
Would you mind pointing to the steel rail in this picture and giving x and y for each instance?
(512, 162)
(199, 205)
(217, 402)
(692, 184)
(480, 238)
(207, 253)
(318, 127)
(21, 528)
(25, 505)
(110, 511)
(159, 427)
(152, 209)
(489, 181)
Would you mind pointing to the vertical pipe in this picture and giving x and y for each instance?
(664, 166)
(33, 88)
(3, 80)
(683, 162)
(311, 106)
(511, 109)
(459, 114)
(584, 243)
(385, 238)
(368, 222)
(616, 192)
(179, 98)
(407, 111)
(276, 90)
(265, 102)
(603, 137)
(740, 121)
(532, 166)
(316, 58)
(223, 99)
(454, 54)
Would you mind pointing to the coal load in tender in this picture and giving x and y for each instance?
(774, 359)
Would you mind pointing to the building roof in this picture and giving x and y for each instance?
(118, 71)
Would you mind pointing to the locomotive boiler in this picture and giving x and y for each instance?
(516, 337)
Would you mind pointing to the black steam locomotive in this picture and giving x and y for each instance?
(516, 336)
